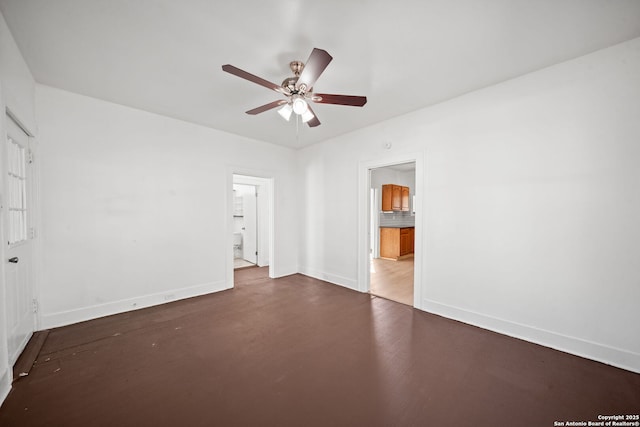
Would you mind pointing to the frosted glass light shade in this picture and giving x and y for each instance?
(300, 105)
(286, 111)
(306, 116)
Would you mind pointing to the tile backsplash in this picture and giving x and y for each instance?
(397, 219)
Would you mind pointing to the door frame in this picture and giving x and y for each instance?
(268, 180)
(374, 200)
(364, 220)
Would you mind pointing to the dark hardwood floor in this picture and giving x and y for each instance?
(296, 351)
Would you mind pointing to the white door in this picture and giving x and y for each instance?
(250, 229)
(19, 304)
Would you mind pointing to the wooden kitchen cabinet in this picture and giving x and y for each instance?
(395, 198)
(405, 242)
(396, 242)
(404, 205)
(391, 197)
(387, 196)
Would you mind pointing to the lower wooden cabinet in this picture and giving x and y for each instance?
(396, 242)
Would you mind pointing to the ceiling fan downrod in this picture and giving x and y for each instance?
(290, 82)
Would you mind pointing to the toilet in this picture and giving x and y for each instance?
(237, 244)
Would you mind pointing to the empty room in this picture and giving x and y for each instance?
(297, 213)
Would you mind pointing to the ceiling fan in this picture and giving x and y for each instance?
(298, 89)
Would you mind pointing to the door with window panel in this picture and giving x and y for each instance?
(20, 303)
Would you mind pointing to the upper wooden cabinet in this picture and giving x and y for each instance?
(387, 196)
(405, 199)
(395, 198)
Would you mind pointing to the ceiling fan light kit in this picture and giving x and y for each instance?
(298, 89)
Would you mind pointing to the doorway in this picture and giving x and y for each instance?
(392, 232)
(245, 226)
(251, 221)
(365, 233)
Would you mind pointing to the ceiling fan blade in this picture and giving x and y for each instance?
(267, 107)
(326, 98)
(314, 121)
(315, 65)
(252, 78)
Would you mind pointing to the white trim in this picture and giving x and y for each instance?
(364, 188)
(7, 372)
(35, 224)
(331, 278)
(375, 222)
(5, 384)
(15, 117)
(62, 318)
(605, 354)
(13, 358)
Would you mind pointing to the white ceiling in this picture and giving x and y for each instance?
(401, 167)
(165, 56)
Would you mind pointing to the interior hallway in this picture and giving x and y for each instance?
(297, 351)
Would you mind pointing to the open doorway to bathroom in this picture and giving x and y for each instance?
(392, 232)
(251, 246)
(245, 226)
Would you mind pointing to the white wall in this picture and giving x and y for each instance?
(17, 96)
(382, 176)
(531, 205)
(18, 85)
(136, 206)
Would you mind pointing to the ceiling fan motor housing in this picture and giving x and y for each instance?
(290, 83)
(296, 67)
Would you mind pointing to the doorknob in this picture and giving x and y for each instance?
(14, 260)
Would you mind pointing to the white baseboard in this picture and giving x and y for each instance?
(599, 352)
(62, 318)
(285, 271)
(331, 278)
(13, 358)
(5, 384)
